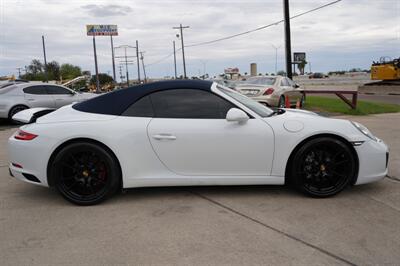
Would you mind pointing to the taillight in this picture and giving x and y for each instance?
(269, 91)
(23, 135)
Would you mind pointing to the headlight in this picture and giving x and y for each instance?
(364, 130)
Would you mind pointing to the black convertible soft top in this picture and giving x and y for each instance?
(116, 102)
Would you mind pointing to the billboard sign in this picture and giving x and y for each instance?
(299, 57)
(102, 30)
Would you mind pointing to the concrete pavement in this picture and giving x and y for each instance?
(244, 225)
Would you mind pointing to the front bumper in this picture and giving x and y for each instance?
(373, 159)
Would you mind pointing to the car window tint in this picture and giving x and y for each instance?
(141, 108)
(57, 90)
(189, 103)
(290, 82)
(284, 82)
(35, 90)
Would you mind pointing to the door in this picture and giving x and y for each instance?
(37, 96)
(191, 136)
(61, 95)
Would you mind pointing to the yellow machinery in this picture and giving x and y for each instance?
(386, 70)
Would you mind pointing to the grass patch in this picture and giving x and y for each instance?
(337, 106)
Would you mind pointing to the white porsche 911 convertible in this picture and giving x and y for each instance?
(188, 133)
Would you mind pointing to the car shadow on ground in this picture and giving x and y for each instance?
(39, 195)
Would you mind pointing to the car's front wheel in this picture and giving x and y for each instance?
(323, 167)
(85, 173)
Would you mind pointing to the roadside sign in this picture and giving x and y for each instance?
(299, 57)
(102, 30)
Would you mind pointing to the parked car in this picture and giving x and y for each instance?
(272, 91)
(20, 96)
(187, 133)
(317, 76)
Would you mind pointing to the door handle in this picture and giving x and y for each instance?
(164, 137)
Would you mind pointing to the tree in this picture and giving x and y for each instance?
(103, 79)
(53, 70)
(69, 71)
(35, 67)
(281, 73)
(301, 66)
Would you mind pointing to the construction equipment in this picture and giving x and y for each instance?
(387, 70)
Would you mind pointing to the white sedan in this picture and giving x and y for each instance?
(188, 133)
(20, 96)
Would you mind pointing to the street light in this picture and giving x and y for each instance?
(276, 57)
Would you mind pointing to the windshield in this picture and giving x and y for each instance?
(256, 107)
(260, 81)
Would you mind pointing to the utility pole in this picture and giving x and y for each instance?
(120, 73)
(144, 69)
(138, 66)
(95, 66)
(183, 48)
(174, 58)
(19, 71)
(113, 59)
(288, 50)
(45, 60)
(125, 47)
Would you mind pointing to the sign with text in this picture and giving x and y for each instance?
(102, 30)
(299, 57)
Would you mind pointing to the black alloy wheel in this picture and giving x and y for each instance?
(85, 173)
(281, 103)
(323, 167)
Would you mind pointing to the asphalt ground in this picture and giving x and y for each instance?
(240, 225)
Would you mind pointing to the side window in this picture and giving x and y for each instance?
(141, 108)
(290, 82)
(283, 82)
(57, 90)
(39, 90)
(189, 103)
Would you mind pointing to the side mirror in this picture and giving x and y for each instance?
(296, 86)
(236, 115)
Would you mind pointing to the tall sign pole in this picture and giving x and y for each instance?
(174, 59)
(95, 66)
(45, 60)
(113, 59)
(183, 48)
(288, 48)
(101, 30)
(138, 64)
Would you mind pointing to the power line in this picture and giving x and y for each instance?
(246, 32)
(263, 27)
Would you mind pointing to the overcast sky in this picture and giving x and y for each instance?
(349, 34)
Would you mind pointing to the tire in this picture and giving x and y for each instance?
(323, 167)
(85, 173)
(14, 110)
(281, 103)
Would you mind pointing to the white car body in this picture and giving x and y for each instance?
(16, 95)
(181, 152)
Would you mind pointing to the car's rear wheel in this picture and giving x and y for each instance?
(323, 167)
(85, 173)
(14, 110)
(281, 103)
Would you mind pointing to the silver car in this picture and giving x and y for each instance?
(273, 91)
(20, 96)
